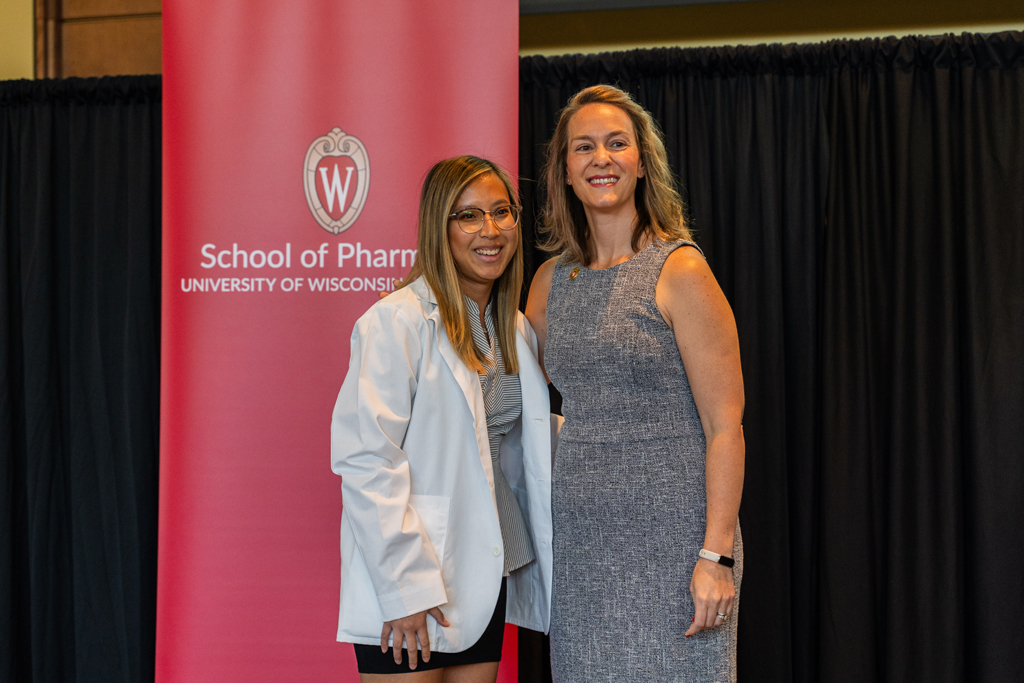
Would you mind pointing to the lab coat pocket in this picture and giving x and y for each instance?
(433, 513)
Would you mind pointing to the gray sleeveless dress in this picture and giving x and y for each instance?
(628, 487)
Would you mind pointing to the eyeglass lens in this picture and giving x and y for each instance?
(472, 220)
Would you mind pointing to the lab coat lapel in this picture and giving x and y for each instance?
(467, 379)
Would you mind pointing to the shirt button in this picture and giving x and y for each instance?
(496, 551)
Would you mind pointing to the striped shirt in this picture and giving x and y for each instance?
(503, 402)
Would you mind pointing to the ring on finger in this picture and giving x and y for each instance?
(723, 617)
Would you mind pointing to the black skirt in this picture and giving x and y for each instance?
(371, 660)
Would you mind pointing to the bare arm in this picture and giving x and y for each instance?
(537, 305)
(693, 304)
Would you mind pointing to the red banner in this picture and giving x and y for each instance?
(296, 137)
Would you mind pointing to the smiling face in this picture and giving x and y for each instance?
(603, 159)
(482, 257)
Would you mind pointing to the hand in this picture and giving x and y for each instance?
(408, 629)
(713, 591)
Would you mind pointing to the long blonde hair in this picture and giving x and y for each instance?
(659, 207)
(444, 182)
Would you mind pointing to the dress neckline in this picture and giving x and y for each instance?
(621, 263)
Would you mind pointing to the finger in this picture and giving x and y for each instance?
(438, 616)
(724, 607)
(697, 610)
(725, 604)
(693, 626)
(384, 633)
(398, 637)
(701, 609)
(697, 623)
(424, 643)
(701, 620)
(410, 644)
(711, 617)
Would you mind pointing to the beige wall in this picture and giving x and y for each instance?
(16, 31)
(766, 21)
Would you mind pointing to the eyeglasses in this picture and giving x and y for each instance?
(471, 220)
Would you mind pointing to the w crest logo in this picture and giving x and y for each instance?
(336, 178)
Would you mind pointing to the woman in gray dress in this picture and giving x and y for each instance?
(639, 339)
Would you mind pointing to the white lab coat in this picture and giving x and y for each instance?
(419, 526)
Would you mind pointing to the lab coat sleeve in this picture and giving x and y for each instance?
(368, 428)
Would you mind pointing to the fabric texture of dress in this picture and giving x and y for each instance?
(628, 489)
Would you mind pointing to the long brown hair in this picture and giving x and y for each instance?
(660, 210)
(442, 186)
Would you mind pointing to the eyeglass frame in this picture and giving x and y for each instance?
(518, 210)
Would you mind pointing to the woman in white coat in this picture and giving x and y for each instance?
(442, 437)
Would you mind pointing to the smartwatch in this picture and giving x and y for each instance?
(715, 557)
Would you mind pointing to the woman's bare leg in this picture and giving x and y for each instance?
(435, 676)
(487, 672)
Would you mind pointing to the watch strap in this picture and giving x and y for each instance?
(715, 557)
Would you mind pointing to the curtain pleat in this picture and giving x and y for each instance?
(79, 362)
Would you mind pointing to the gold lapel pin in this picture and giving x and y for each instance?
(574, 273)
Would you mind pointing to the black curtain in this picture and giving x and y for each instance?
(862, 205)
(79, 378)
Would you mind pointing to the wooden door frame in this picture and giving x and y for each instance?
(47, 39)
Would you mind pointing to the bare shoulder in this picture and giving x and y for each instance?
(537, 303)
(544, 274)
(541, 287)
(685, 268)
(687, 287)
